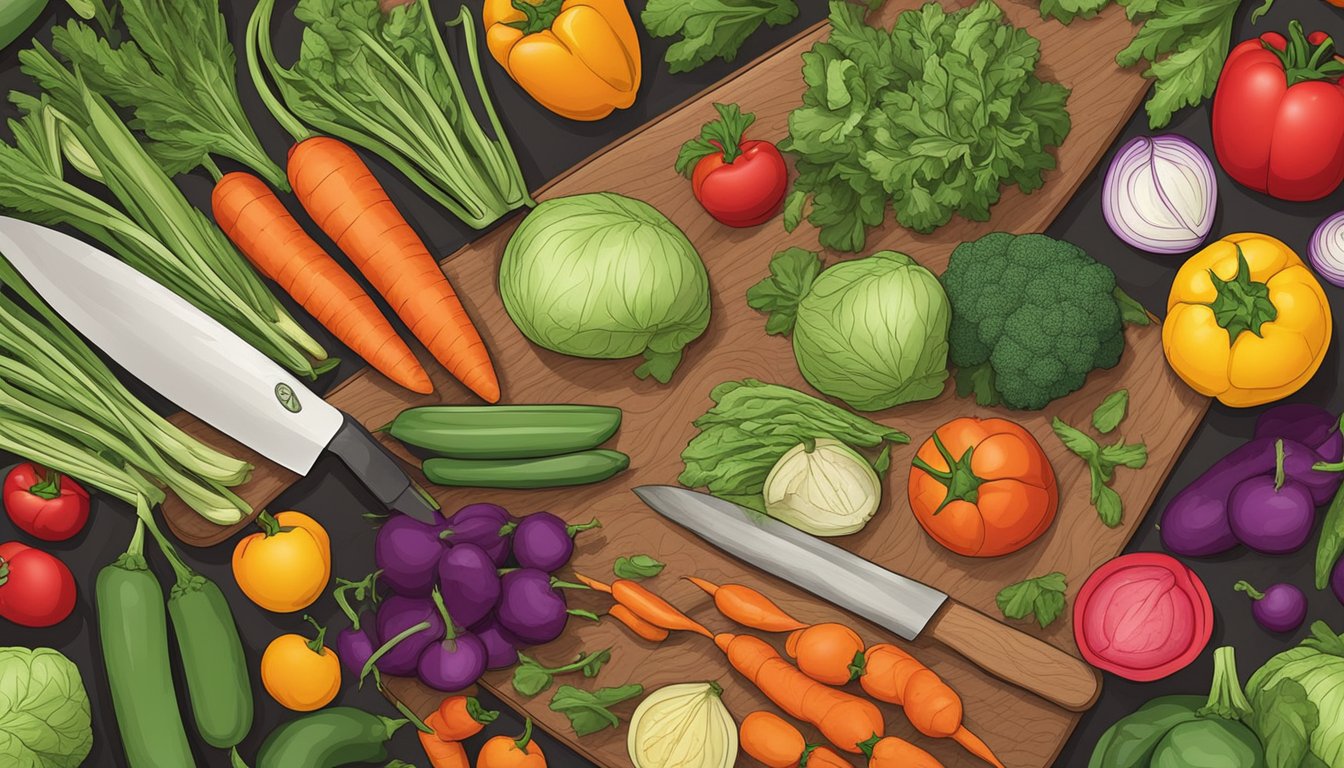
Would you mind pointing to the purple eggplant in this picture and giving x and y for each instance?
(1310, 425)
(1270, 513)
(532, 606)
(406, 627)
(1196, 522)
(545, 542)
(501, 648)
(1281, 608)
(408, 551)
(469, 581)
(456, 660)
(356, 644)
(488, 526)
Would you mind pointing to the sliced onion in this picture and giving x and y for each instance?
(1327, 249)
(1160, 194)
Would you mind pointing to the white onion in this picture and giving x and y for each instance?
(1327, 249)
(1160, 194)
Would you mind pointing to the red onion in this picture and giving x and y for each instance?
(1327, 249)
(1160, 194)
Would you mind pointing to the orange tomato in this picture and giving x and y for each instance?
(508, 752)
(286, 566)
(983, 487)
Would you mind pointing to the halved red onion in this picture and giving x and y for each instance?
(1160, 194)
(1327, 249)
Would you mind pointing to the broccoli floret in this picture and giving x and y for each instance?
(1031, 317)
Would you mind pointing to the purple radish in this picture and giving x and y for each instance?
(532, 607)
(1270, 515)
(454, 662)
(1281, 608)
(407, 551)
(406, 627)
(355, 645)
(469, 582)
(545, 542)
(501, 649)
(485, 525)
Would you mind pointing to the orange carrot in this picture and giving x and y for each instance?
(748, 607)
(637, 625)
(771, 739)
(263, 229)
(442, 754)
(891, 752)
(890, 674)
(843, 718)
(342, 196)
(460, 718)
(829, 653)
(646, 605)
(508, 752)
(822, 757)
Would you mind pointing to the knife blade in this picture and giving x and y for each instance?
(194, 361)
(895, 602)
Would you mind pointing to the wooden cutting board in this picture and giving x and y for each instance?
(1024, 730)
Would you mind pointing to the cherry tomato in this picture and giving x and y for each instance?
(36, 589)
(45, 503)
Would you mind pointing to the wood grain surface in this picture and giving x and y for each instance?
(1022, 728)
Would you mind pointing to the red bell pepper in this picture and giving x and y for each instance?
(45, 503)
(740, 182)
(1278, 115)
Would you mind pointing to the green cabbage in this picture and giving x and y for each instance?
(1303, 685)
(872, 332)
(605, 276)
(44, 711)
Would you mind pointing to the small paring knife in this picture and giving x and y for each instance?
(890, 600)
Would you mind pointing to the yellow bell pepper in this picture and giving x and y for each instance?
(578, 58)
(1247, 322)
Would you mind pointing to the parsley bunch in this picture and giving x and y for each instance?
(934, 116)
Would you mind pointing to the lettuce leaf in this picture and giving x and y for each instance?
(44, 710)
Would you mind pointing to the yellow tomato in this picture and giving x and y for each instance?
(301, 674)
(286, 566)
(1247, 322)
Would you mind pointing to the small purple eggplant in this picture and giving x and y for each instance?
(501, 648)
(485, 525)
(469, 582)
(1281, 608)
(545, 542)
(455, 661)
(1270, 513)
(355, 645)
(533, 608)
(407, 551)
(406, 627)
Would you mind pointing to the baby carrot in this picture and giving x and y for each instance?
(771, 739)
(843, 718)
(442, 754)
(748, 607)
(637, 625)
(823, 757)
(892, 752)
(461, 717)
(646, 605)
(830, 653)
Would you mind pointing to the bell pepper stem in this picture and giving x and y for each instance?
(317, 643)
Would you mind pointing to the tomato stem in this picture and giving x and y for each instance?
(315, 645)
(4, 571)
(522, 741)
(50, 486)
(960, 480)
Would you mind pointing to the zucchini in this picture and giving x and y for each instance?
(328, 738)
(133, 631)
(550, 472)
(212, 661)
(505, 431)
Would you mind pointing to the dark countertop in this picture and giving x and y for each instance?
(547, 145)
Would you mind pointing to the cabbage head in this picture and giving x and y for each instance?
(605, 276)
(1300, 692)
(44, 710)
(872, 332)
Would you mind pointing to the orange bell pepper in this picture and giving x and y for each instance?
(578, 58)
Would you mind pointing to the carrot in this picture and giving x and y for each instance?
(843, 718)
(506, 752)
(748, 607)
(345, 200)
(890, 674)
(893, 752)
(646, 605)
(443, 754)
(771, 739)
(829, 653)
(461, 717)
(263, 229)
(822, 757)
(637, 625)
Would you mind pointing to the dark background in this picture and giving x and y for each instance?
(546, 146)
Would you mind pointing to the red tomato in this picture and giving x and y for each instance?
(741, 183)
(1278, 115)
(45, 503)
(36, 589)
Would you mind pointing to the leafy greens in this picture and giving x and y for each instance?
(710, 28)
(383, 81)
(44, 710)
(934, 116)
(1042, 596)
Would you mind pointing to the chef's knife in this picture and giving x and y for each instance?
(189, 358)
(902, 605)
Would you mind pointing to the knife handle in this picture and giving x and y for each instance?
(378, 469)
(1016, 657)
